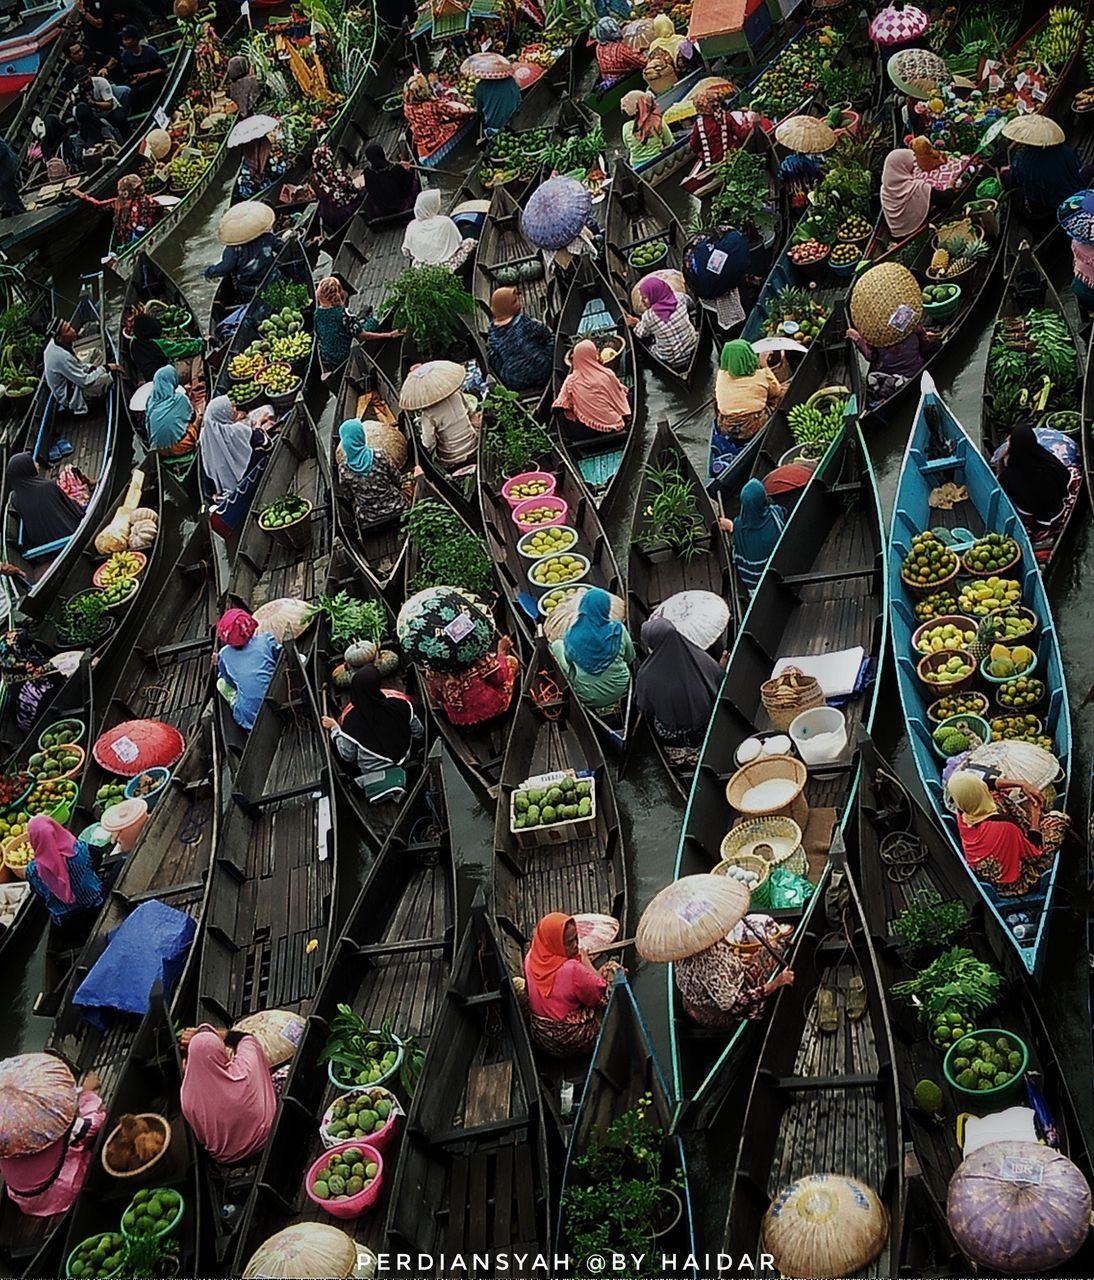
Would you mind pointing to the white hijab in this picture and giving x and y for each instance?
(432, 238)
(225, 445)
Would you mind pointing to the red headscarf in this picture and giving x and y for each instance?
(236, 627)
(592, 393)
(548, 951)
(52, 846)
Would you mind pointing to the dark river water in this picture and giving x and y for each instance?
(650, 809)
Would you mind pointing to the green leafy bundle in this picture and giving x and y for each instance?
(743, 197)
(1032, 366)
(578, 152)
(279, 294)
(352, 619)
(427, 302)
(448, 554)
(955, 981)
(513, 441)
(928, 920)
(672, 515)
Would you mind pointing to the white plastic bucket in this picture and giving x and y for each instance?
(819, 734)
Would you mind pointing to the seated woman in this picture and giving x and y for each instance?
(46, 1182)
(1082, 276)
(595, 653)
(746, 394)
(449, 430)
(481, 693)
(719, 988)
(47, 513)
(1007, 839)
(567, 993)
(496, 101)
(678, 47)
(891, 367)
(390, 189)
(718, 130)
(433, 239)
(905, 194)
(227, 444)
(375, 736)
(666, 323)
(246, 661)
(170, 420)
(757, 528)
(645, 134)
(335, 328)
(592, 399)
(368, 478)
(798, 175)
(675, 689)
(1046, 176)
(614, 59)
(62, 874)
(1035, 480)
(145, 352)
(227, 1095)
(337, 195)
(433, 120)
(520, 349)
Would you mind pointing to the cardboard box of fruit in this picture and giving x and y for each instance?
(551, 808)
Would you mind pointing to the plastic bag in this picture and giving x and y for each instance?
(787, 889)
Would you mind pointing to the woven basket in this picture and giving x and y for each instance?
(777, 840)
(876, 296)
(751, 775)
(761, 895)
(788, 694)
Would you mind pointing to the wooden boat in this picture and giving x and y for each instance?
(475, 1134)
(502, 535)
(1029, 286)
(939, 451)
(576, 871)
(658, 569)
(592, 310)
(148, 285)
(274, 879)
(625, 1070)
(166, 675)
(150, 1082)
(479, 748)
(892, 821)
(28, 47)
(636, 215)
(825, 590)
(96, 452)
(391, 966)
(821, 1102)
(379, 547)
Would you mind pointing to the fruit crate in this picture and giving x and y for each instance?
(555, 832)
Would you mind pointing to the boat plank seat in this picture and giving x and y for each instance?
(489, 1090)
(851, 1080)
(825, 577)
(378, 950)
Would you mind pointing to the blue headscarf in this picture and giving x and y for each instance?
(607, 31)
(755, 532)
(167, 414)
(594, 639)
(358, 454)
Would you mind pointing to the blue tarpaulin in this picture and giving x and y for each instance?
(149, 946)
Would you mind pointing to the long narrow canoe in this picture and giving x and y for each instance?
(939, 452)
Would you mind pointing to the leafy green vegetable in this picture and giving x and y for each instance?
(929, 920)
(513, 440)
(672, 515)
(448, 554)
(427, 302)
(352, 619)
(957, 981)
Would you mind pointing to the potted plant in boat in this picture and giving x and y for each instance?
(744, 198)
(427, 302)
(513, 441)
(671, 521)
(618, 1195)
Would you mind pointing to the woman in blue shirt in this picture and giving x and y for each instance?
(246, 662)
(61, 872)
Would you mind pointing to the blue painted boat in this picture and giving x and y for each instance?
(940, 451)
(625, 1068)
(824, 590)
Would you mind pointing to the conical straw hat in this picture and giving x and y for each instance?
(487, 66)
(805, 134)
(825, 1224)
(1033, 131)
(430, 382)
(38, 1098)
(877, 301)
(918, 72)
(690, 915)
(245, 222)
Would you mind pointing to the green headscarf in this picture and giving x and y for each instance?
(738, 359)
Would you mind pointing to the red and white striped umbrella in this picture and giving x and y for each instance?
(897, 24)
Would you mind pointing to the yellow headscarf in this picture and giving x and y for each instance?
(971, 795)
(665, 36)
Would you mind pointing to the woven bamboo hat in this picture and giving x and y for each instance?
(158, 143)
(918, 72)
(806, 135)
(1034, 131)
(825, 1224)
(886, 304)
(690, 915)
(487, 66)
(245, 222)
(430, 382)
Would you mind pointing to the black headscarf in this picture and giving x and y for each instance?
(380, 724)
(47, 512)
(678, 683)
(1035, 480)
(146, 352)
(388, 185)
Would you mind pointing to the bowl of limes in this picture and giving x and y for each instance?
(557, 571)
(940, 301)
(552, 540)
(535, 513)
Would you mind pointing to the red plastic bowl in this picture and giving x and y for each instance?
(559, 505)
(352, 1206)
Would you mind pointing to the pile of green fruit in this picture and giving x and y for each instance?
(373, 1064)
(958, 704)
(935, 293)
(64, 731)
(936, 605)
(550, 571)
(539, 515)
(186, 171)
(512, 273)
(1014, 623)
(953, 739)
(988, 595)
(853, 228)
(553, 599)
(794, 311)
(991, 553)
(1026, 691)
(119, 590)
(55, 761)
(815, 429)
(99, 1255)
(527, 489)
(152, 1211)
(549, 541)
(49, 794)
(645, 255)
(844, 254)
(297, 346)
(927, 561)
(282, 511)
(948, 1027)
(175, 321)
(279, 379)
(282, 324)
(957, 668)
(109, 793)
(944, 636)
(241, 393)
(359, 1114)
(1015, 726)
(541, 807)
(980, 1064)
(347, 1173)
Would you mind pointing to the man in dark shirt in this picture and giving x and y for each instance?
(141, 66)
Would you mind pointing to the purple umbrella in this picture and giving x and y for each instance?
(556, 212)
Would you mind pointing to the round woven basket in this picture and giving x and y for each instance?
(788, 694)
(877, 295)
(776, 840)
(763, 770)
(749, 862)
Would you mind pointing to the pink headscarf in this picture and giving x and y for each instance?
(905, 193)
(236, 627)
(592, 393)
(227, 1098)
(662, 301)
(52, 846)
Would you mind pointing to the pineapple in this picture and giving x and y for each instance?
(940, 260)
(987, 633)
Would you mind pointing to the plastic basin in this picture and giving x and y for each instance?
(541, 588)
(1017, 675)
(381, 1137)
(820, 734)
(387, 1075)
(352, 1206)
(977, 724)
(164, 1225)
(162, 775)
(558, 505)
(525, 538)
(999, 1093)
(526, 477)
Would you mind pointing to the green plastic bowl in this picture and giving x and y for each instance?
(998, 1092)
(164, 1225)
(976, 723)
(944, 310)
